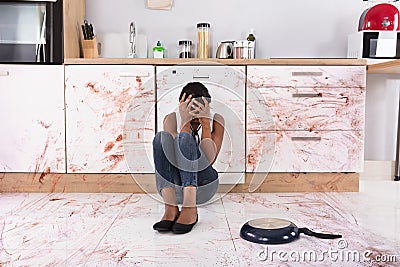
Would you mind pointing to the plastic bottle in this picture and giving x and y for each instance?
(252, 44)
(158, 51)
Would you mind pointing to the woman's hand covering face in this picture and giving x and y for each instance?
(185, 106)
(200, 110)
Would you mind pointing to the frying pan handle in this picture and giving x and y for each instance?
(307, 231)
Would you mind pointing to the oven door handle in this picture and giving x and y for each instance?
(37, 0)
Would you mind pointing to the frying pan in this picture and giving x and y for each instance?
(276, 231)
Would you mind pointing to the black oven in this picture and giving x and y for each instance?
(31, 31)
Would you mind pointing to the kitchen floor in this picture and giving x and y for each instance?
(116, 230)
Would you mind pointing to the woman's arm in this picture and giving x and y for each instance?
(170, 124)
(211, 142)
(217, 134)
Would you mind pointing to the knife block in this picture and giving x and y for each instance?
(90, 48)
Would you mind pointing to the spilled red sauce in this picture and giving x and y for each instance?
(109, 146)
(119, 138)
(92, 87)
(43, 175)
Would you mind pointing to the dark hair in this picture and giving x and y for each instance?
(197, 90)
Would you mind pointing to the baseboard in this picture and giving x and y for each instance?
(378, 170)
(142, 183)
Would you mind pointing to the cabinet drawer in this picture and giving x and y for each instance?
(304, 151)
(306, 76)
(313, 108)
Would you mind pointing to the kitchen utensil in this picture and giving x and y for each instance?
(225, 49)
(132, 40)
(276, 231)
(87, 30)
(114, 45)
(381, 17)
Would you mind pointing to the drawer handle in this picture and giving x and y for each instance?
(307, 73)
(4, 73)
(305, 138)
(307, 95)
(130, 74)
(201, 76)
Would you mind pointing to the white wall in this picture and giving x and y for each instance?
(285, 28)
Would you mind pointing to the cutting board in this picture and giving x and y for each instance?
(116, 45)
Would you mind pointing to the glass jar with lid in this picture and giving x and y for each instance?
(185, 49)
(203, 40)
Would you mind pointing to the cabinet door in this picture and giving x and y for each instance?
(226, 86)
(110, 118)
(32, 118)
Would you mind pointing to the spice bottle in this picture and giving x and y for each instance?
(158, 51)
(203, 40)
(251, 44)
(185, 49)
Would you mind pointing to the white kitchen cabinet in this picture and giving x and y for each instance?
(226, 85)
(305, 118)
(110, 118)
(32, 118)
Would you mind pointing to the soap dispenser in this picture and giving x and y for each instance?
(158, 51)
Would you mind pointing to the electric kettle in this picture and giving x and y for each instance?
(225, 49)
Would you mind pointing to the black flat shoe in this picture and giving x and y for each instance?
(165, 225)
(181, 228)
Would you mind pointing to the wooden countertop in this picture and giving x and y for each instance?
(198, 61)
(388, 67)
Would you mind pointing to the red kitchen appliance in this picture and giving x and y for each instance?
(381, 17)
(378, 33)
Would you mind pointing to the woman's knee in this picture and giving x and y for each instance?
(161, 137)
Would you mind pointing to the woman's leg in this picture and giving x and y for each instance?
(167, 174)
(195, 171)
(187, 154)
(208, 182)
(199, 179)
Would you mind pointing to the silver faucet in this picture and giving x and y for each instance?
(132, 40)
